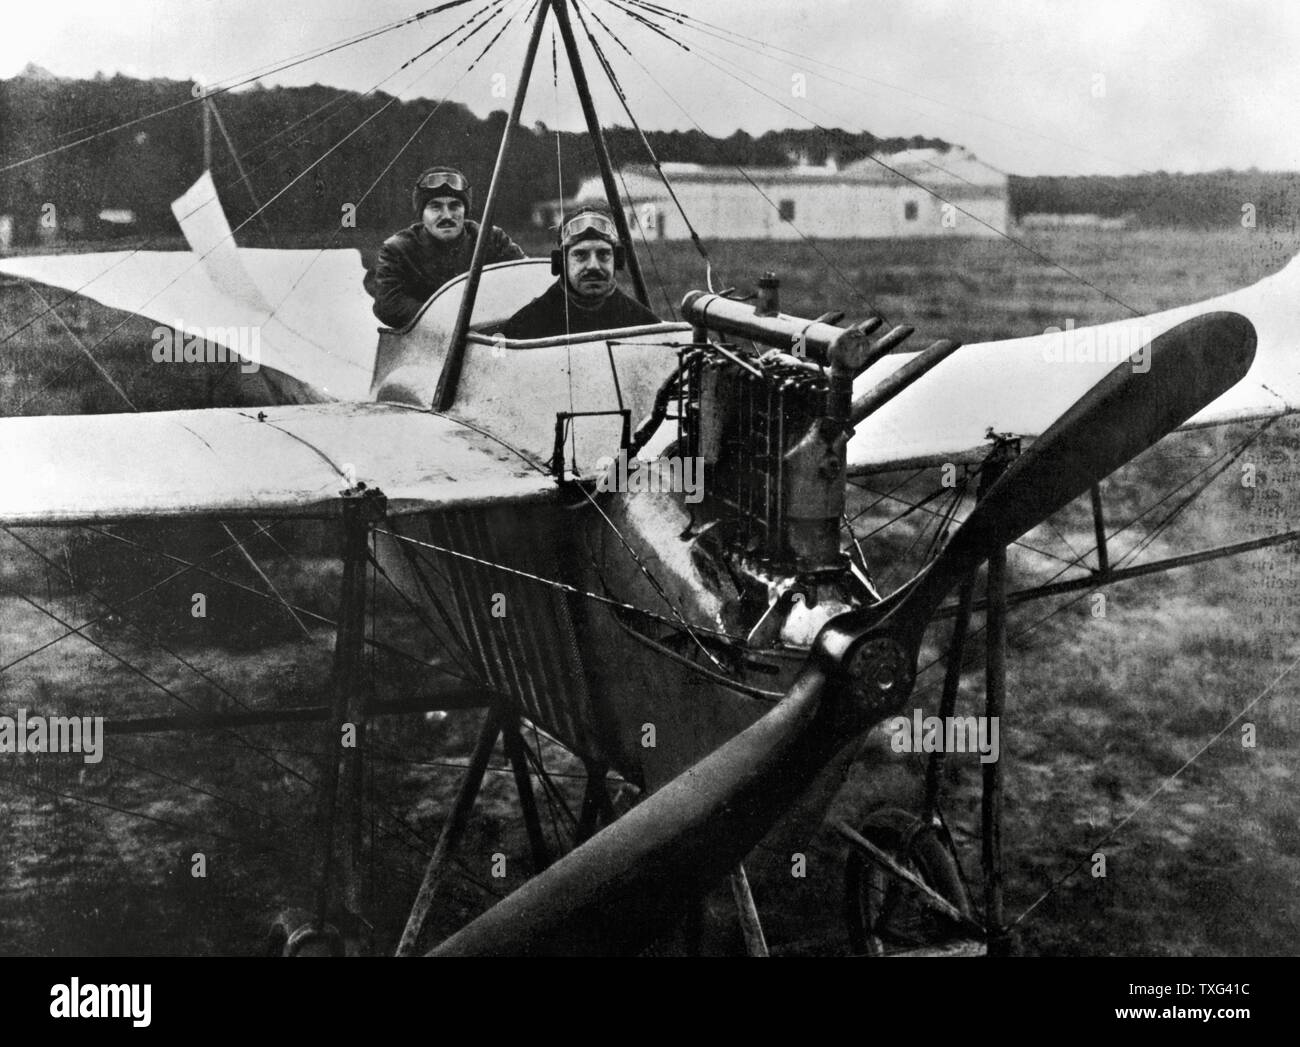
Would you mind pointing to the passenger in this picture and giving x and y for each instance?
(415, 262)
(586, 297)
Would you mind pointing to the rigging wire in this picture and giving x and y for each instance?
(245, 743)
(1114, 831)
(627, 108)
(1178, 509)
(819, 62)
(929, 163)
(113, 611)
(555, 798)
(1231, 456)
(188, 831)
(1041, 256)
(155, 240)
(591, 37)
(945, 519)
(888, 494)
(149, 679)
(812, 244)
(469, 668)
(392, 754)
(492, 4)
(627, 195)
(320, 618)
(691, 631)
(320, 253)
(417, 563)
(1076, 561)
(562, 586)
(1137, 549)
(645, 242)
(241, 82)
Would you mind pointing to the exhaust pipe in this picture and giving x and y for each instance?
(885, 390)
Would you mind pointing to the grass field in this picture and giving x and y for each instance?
(1114, 740)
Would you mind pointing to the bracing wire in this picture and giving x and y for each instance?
(240, 82)
(492, 4)
(929, 190)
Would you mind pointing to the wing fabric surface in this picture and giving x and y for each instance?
(282, 461)
(1021, 386)
(309, 311)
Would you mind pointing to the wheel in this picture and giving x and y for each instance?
(886, 914)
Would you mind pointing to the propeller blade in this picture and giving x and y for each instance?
(628, 884)
(1128, 411)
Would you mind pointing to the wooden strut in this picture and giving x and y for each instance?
(1099, 531)
(602, 151)
(750, 925)
(514, 746)
(1124, 574)
(926, 894)
(948, 702)
(467, 697)
(452, 831)
(339, 798)
(502, 722)
(995, 692)
(449, 379)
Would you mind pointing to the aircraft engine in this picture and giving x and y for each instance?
(775, 463)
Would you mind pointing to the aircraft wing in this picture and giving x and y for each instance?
(308, 308)
(1021, 386)
(281, 461)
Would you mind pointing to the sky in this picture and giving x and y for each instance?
(1047, 87)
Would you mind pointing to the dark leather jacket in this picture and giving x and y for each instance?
(548, 315)
(412, 265)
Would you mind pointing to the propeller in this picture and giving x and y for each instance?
(1126, 412)
(626, 884)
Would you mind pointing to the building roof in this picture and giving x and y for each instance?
(955, 173)
(931, 166)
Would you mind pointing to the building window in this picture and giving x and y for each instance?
(910, 210)
(786, 210)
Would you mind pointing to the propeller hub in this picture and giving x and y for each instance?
(882, 674)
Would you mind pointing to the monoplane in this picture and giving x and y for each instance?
(725, 654)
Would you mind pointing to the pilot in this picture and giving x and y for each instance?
(419, 259)
(586, 297)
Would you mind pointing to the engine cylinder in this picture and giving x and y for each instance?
(775, 461)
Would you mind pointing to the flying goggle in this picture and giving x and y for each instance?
(577, 228)
(596, 223)
(440, 182)
(452, 180)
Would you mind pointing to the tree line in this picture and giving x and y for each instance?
(1210, 200)
(318, 158)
